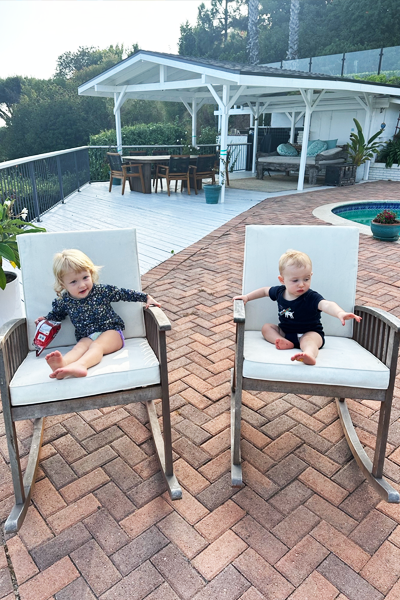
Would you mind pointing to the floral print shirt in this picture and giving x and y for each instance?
(93, 313)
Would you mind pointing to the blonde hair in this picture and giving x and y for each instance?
(72, 260)
(294, 257)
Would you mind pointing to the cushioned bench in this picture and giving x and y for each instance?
(314, 164)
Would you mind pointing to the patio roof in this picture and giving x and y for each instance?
(195, 81)
(168, 77)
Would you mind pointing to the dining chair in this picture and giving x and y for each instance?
(358, 360)
(203, 169)
(177, 170)
(118, 170)
(136, 373)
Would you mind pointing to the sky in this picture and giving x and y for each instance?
(34, 33)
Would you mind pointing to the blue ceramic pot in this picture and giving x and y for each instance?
(385, 232)
(212, 192)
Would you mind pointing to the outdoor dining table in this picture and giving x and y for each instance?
(146, 162)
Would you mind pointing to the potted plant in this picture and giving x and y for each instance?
(385, 226)
(10, 226)
(361, 150)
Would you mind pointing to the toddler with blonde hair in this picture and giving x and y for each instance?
(98, 328)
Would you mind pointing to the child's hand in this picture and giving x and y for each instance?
(151, 302)
(343, 317)
(37, 321)
(244, 298)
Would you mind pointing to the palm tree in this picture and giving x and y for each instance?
(293, 50)
(252, 33)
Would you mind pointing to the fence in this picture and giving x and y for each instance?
(39, 182)
(348, 64)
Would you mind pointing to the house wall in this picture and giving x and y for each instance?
(328, 125)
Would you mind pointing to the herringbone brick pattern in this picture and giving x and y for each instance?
(305, 525)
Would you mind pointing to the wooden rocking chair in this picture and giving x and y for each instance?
(358, 360)
(137, 372)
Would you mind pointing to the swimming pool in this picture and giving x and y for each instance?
(364, 212)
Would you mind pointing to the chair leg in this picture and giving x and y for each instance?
(111, 178)
(168, 190)
(164, 448)
(195, 185)
(236, 409)
(381, 485)
(123, 185)
(22, 501)
(188, 184)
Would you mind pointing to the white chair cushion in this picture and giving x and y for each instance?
(341, 361)
(133, 366)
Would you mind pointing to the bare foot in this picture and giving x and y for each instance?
(282, 344)
(72, 370)
(55, 360)
(307, 359)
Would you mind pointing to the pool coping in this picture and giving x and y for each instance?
(324, 213)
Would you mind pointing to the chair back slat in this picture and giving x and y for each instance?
(179, 164)
(113, 249)
(115, 161)
(334, 254)
(205, 163)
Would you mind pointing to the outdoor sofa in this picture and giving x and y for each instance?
(314, 164)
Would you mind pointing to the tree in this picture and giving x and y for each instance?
(252, 33)
(69, 63)
(10, 93)
(293, 50)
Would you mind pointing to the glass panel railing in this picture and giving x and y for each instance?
(301, 64)
(276, 65)
(328, 65)
(356, 64)
(361, 63)
(391, 61)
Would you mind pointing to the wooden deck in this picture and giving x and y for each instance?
(163, 223)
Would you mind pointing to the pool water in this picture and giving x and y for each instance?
(365, 212)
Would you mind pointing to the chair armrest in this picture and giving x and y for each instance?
(13, 348)
(160, 167)
(159, 317)
(379, 333)
(239, 315)
(193, 168)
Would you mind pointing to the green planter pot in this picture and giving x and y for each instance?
(385, 232)
(212, 192)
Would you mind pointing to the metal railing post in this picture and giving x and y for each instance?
(60, 181)
(380, 61)
(343, 61)
(34, 190)
(76, 171)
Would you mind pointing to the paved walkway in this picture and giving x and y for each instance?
(101, 525)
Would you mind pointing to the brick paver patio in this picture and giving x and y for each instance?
(305, 525)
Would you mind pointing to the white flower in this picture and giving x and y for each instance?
(24, 213)
(6, 203)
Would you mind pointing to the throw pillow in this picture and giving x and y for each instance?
(317, 147)
(331, 144)
(331, 151)
(286, 150)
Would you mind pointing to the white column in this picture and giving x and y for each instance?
(224, 139)
(194, 122)
(118, 130)
(292, 126)
(255, 137)
(306, 133)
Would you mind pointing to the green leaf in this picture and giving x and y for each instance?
(3, 280)
(6, 252)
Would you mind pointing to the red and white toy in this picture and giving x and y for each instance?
(45, 333)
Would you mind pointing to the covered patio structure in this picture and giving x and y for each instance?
(236, 88)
